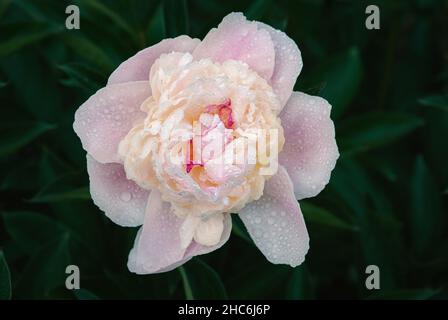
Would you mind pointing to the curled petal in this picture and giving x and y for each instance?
(106, 117)
(196, 249)
(158, 242)
(209, 232)
(121, 199)
(310, 151)
(239, 39)
(137, 67)
(288, 63)
(276, 224)
(158, 246)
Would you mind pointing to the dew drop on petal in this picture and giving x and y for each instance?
(125, 196)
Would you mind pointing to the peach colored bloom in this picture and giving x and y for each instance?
(159, 136)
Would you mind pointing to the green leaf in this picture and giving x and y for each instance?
(370, 210)
(5, 279)
(437, 101)
(239, 229)
(425, 207)
(40, 11)
(49, 195)
(51, 167)
(45, 271)
(365, 132)
(200, 281)
(186, 284)
(257, 278)
(22, 35)
(417, 294)
(299, 287)
(40, 99)
(257, 9)
(143, 12)
(340, 78)
(113, 16)
(37, 173)
(155, 30)
(90, 51)
(433, 139)
(17, 136)
(321, 216)
(31, 230)
(176, 17)
(81, 76)
(88, 226)
(4, 4)
(12, 180)
(83, 294)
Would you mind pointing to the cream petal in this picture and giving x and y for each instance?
(188, 229)
(137, 67)
(196, 249)
(208, 232)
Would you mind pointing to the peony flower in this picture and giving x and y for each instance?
(187, 132)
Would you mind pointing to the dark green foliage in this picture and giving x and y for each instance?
(386, 203)
(5, 279)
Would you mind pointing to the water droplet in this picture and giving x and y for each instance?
(125, 196)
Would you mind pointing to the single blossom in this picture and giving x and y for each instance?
(187, 132)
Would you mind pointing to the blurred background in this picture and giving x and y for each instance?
(386, 203)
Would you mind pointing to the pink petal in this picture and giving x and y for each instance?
(121, 199)
(106, 117)
(137, 67)
(288, 63)
(196, 249)
(310, 151)
(238, 39)
(157, 244)
(157, 247)
(275, 222)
